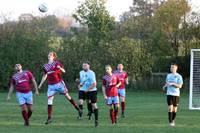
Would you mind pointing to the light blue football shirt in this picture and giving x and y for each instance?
(87, 78)
(174, 78)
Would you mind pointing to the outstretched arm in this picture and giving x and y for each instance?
(44, 77)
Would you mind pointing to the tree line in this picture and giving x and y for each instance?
(146, 39)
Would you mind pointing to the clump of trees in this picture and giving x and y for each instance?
(145, 40)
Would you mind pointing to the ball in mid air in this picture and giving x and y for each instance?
(43, 7)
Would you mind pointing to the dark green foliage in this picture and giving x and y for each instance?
(139, 41)
(24, 42)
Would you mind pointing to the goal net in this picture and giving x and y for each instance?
(194, 97)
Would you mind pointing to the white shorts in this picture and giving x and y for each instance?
(57, 88)
(121, 92)
(24, 98)
(112, 100)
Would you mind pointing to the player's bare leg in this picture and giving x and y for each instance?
(25, 114)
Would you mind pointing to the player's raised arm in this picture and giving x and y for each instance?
(10, 91)
(44, 77)
(61, 69)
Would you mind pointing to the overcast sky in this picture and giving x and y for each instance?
(14, 8)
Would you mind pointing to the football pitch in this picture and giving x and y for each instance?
(146, 112)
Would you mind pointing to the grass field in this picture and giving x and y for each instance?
(146, 113)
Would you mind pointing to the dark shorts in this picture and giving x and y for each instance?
(172, 100)
(91, 95)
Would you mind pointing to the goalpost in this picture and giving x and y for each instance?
(194, 97)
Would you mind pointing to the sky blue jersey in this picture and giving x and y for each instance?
(87, 78)
(174, 78)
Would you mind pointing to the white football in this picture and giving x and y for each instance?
(43, 7)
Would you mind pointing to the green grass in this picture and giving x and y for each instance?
(146, 113)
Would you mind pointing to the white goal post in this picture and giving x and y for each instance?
(194, 96)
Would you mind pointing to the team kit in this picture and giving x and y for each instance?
(113, 88)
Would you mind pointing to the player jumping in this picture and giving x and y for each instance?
(53, 70)
(110, 83)
(21, 82)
